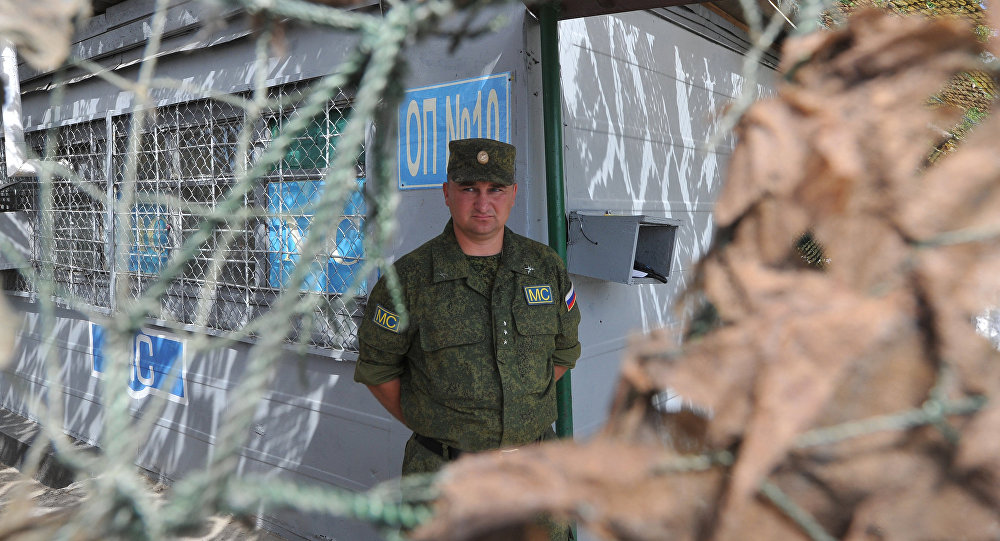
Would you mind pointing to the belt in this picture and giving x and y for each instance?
(448, 452)
(444, 451)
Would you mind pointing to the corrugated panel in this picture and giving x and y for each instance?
(642, 101)
(699, 20)
(100, 6)
(572, 9)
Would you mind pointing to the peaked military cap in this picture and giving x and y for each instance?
(474, 160)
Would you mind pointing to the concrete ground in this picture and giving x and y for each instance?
(39, 518)
(35, 508)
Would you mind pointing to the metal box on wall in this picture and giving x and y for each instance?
(629, 249)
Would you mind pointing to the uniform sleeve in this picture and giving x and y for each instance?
(567, 341)
(383, 342)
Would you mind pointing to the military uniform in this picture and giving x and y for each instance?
(476, 359)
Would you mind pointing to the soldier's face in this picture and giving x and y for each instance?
(479, 210)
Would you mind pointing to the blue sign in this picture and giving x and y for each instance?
(156, 364)
(432, 116)
(150, 239)
(289, 206)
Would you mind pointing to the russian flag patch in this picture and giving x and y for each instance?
(571, 298)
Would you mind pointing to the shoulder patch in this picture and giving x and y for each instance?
(571, 297)
(386, 319)
(540, 294)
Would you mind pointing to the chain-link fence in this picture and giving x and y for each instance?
(186, 160)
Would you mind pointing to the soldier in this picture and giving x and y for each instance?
(492, 324)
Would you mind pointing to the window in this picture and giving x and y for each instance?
(186, 164)
(75, 243)
(294, 189)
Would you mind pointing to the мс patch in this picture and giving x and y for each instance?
(541, 294)
(386, 319)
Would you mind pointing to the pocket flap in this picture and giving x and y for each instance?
(535, 320)
(443, 333)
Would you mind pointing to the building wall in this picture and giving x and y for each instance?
(314, 424)
(642, 101)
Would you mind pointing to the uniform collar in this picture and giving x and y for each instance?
(450, 262)
(515, 258)
(448, 258)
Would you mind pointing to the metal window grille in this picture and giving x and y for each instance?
(185, 165)
(76, 243)
(288, 193)
(14, 196)
(18, 197)
(4, 179)
(185, 160)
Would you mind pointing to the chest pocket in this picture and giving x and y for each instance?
(457, 318)
(438, 333)
(536, 320)
(537, 327)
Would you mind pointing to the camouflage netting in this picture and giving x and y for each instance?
(972, 91)
(851, 402)
(956, 9)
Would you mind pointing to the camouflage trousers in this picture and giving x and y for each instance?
(418, 459)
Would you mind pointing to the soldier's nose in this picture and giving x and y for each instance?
(481, 202)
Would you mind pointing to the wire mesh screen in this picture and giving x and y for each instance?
(178, 177)
(4, 179)
(18, 197)
(75, 243)
(290, 191)
(183, 167)
(15, 196)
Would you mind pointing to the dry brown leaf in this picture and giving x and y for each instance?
(483, 492)
(769, 230)
(965, 191)
(869, 254)
(979, 454)
(952, 281)
(716, 375)
(823, 128)
(899, 377)
(42, 29)
(760, 174)
(926, 508)
(803, 365)
(722, 275)
(759, 521)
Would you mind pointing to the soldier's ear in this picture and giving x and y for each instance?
(444, 188)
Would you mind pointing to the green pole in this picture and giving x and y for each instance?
(552, 114)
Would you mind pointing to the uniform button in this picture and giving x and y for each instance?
(505, 332)
(505, 342)
(504, 323)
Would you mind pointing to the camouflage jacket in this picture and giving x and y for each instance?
(475, 374)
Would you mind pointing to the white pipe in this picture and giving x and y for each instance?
(13, 130)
